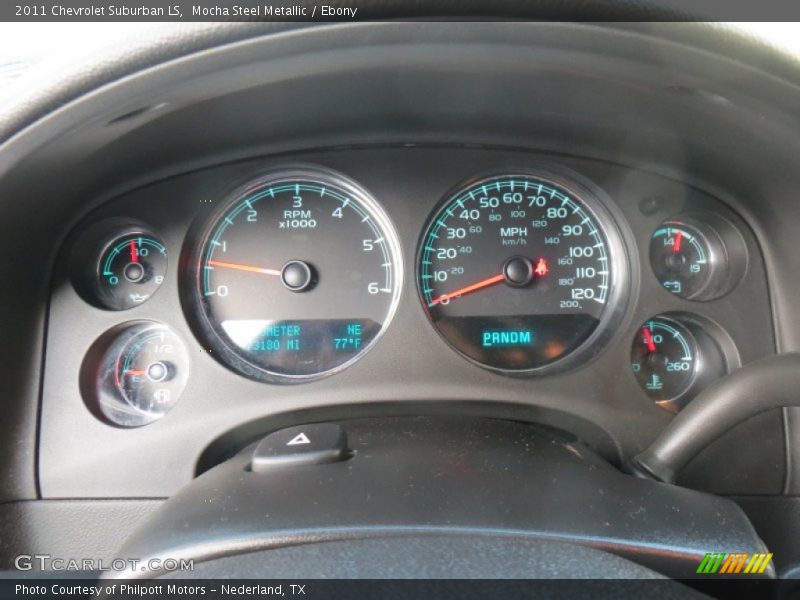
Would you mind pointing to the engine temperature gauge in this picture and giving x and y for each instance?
(673, 357)
(136, 374)
(664, 358)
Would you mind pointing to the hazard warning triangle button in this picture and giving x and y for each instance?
(303, 445)
(300, 438)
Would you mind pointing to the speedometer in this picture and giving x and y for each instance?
(522, 272)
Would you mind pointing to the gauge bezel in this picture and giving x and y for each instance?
(98, 376)
(198, 238)
(108, 247)
(716, 355)
(673, 403)
(727, 253)
(86, 257)
(613, 228)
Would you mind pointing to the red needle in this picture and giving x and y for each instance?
(134, 254)
(648, 339)
(676, 243)
(540, 270)
(494, 280)
(135, 372)
(228, 265)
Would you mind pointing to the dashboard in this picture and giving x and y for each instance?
(497, 264)
(592, 296)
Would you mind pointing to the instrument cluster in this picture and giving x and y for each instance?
(298, 270)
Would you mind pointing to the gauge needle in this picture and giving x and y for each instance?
(251, 269)
(134, 373)
(134, 254)
(648, 339)
(484, 283)
(540, 270)
(676, 242)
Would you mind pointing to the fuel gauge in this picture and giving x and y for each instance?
(135, 374)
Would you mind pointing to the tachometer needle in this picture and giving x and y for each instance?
(494, 280)
(648, 339)
(134, 253)
(251, 269)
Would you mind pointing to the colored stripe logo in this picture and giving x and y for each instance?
(733, 563)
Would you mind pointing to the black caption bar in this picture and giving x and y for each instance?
(351, 10)
(172, 10)
(250, 589)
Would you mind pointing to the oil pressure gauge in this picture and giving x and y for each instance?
(118, 265)
(130, 269)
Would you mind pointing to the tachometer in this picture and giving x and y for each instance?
(518, 272)
(297, 276)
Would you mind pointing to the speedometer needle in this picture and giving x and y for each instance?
(240, 267)
(484, 283)
(513, 272)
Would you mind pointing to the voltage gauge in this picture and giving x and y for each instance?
(697, 257)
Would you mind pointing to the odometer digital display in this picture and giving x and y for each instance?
(296, 276)
(517, 272)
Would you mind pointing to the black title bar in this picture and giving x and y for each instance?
(357, 10)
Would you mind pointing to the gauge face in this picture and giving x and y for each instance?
(143, 369)
(130, 269)
(518, 272)
(683, 259)
(297, 276)
(664, 358)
